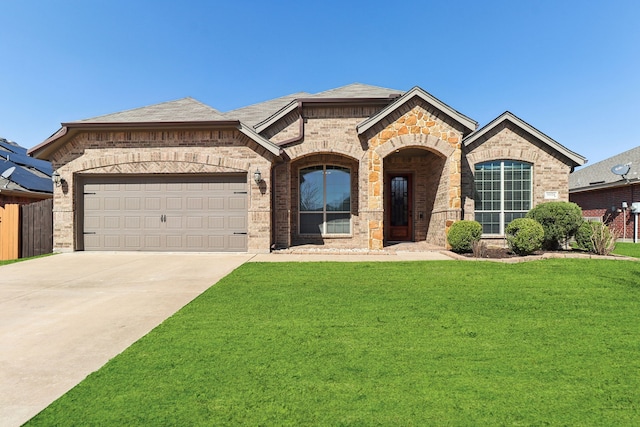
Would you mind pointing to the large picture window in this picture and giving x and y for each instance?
(325, 200)
(503, 193)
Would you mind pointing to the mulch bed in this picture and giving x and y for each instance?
(504, 253)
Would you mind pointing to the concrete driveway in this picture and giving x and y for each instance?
(64, 316)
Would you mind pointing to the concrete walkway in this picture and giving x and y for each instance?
(64, 316)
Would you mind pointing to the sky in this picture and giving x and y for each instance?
(570, 68)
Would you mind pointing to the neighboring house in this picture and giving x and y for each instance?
(603, 194)
(23, 179)
(354, 167)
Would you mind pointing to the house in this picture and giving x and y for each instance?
(607, 190)
(23, 179)
(353, 167)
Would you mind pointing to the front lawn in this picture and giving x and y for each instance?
(554, 342)
(627, 249)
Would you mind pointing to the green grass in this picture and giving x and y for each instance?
(627, 249)
(554, 342)
(11, 261)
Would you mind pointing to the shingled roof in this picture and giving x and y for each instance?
(255, 113)
(181, 110)
(599, 175)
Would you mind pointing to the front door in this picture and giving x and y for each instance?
(399, 207)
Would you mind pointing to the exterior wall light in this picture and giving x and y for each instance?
(257, 176)
(55, 177)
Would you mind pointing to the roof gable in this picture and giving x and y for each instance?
(478, 136)
(353, 93)
(420, 93)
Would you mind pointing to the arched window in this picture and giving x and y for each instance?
(503, 193)
(325, 200)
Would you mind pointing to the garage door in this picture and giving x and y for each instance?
(165, 213)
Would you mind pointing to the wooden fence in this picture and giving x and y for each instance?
(9, 232)
(26, 230)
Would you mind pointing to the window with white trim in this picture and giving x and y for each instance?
(503, 192)
(325, 200)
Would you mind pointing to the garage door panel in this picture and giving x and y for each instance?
(111, 187)
(174, 203)
(112, 241)
(152, 222)
(132, 222)
(132, 242)
(237, 243)
(152, 242)
(174, 222)
(166, 213)
(237, 222)
(216, 203)
(132, 204)
(217, 243)
(237, 203)
(152, 203)
(92, 204)
(112, 222)
(194, 222)
(195, 241)
(111, 204)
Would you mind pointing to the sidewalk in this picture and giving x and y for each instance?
(353, 256)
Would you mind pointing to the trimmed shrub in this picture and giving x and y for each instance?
(524, 236)
(560, 221)
(462, 235)
(584, 235)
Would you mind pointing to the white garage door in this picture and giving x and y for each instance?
(165, 213)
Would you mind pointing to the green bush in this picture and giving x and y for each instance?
(463, 234)
(596, 237)
(584, 236)
(560, 221)
(524, 236)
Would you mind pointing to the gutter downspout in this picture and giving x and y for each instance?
(300, 129)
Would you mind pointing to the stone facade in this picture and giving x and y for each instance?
(330, 137)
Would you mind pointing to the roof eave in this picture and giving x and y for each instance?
(25, 193)
(265, 143)
(47, 147)
(604, 186)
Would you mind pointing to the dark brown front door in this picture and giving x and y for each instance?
(399, 207)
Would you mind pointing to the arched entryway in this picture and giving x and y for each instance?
(415, 188)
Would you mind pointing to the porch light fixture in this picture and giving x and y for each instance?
(257, 176)
(55, 177)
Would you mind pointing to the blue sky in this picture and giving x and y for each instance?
(569, 68)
